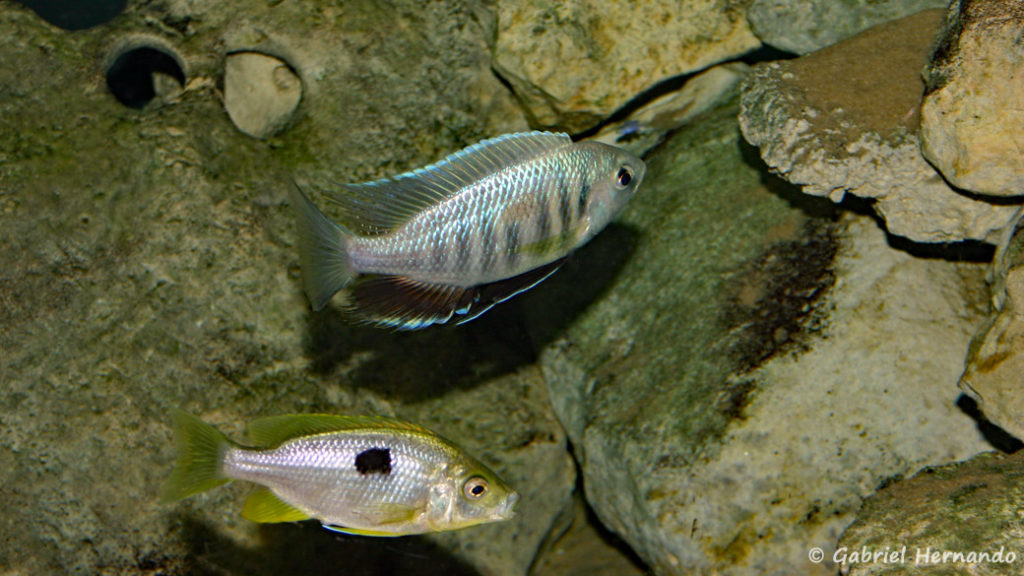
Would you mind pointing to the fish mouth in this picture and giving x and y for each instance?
(508, 508)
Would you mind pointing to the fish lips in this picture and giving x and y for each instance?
(508, 507)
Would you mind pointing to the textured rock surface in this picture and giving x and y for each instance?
(996, 359)
(573, 63)
(648, 126)
(586, 549)
(704, 464)
(803, 26)
(365, 69)
(971, 506)
(861, 135)
(260, 92)
(972, 122)
(148, 262)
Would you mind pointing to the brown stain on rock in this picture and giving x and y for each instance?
(875, 76)
(773, 301)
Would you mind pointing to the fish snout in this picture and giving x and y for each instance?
(508, 507)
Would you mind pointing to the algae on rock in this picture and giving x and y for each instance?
(726, 420)
(967, 508)
(148, 262)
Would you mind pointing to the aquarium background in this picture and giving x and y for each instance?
(798, 340)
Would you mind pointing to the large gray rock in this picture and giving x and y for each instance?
(920, 525)
(749, 374)
(971, 120)
(148, 262)
(573, 63)
(860, 135)
(803, 26)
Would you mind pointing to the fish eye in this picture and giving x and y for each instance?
(624, 177)
(475, 488)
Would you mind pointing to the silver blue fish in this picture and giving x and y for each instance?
(364, 475)
(453, 239)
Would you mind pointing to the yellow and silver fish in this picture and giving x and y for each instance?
(455, 238)
(365, 475)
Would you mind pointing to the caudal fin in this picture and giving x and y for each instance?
(200, 453)
(323, 252)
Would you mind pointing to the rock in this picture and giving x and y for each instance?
(384, 88)
(996, 357)
(965, 508)
(574, 63)
(861, 135)
(648, 126)
(803, 26)
(587, 549)
(149, 262)
(510, 419)
(260, 92)
(971, 119)
(748, 375)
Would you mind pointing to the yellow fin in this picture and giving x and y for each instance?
(274, 430)
(358, 532)
(262, 505)
(200, 451)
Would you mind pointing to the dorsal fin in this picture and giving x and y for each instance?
(378, 206)
(274, 430)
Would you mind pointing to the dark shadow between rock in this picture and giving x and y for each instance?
(307, 548)
(813, 206)
(999, 439)
(817, 207)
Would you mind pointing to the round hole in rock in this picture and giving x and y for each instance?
(76, 14)
(140, 74)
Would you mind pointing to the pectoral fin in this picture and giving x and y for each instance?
(262, 505)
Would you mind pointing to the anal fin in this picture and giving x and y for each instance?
(262, 505)
(488, 295)
(405, 304)
(360, 532)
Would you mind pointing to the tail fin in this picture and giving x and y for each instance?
(200, 452)
(323, 251)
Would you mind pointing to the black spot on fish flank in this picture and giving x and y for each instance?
(581, 203)
(374, 461)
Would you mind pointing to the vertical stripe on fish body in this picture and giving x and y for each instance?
(458, 236)
(363, 475)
